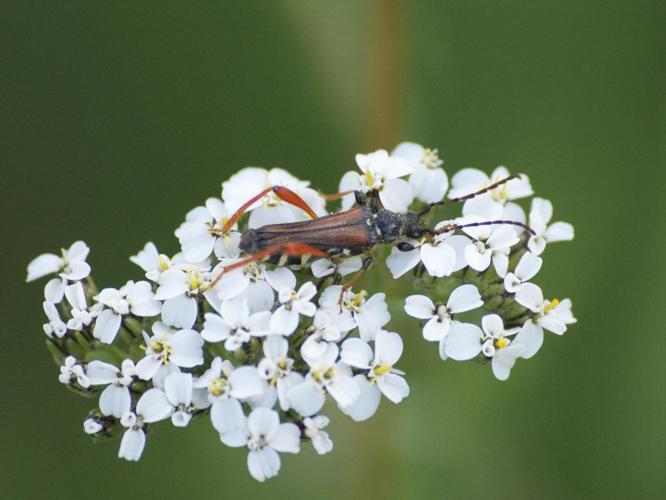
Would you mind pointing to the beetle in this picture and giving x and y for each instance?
(347, 233)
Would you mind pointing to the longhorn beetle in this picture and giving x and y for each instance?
(347, 233)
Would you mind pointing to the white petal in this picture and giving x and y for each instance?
(78, 270)
(393, 386)
(263, 463)
(559, 231)
(463, 341)
(215, 328)
(419, 306)
(106, 326)
(227, 417)
(501, 263)
(55, 290)
(396, 195)
(477, 260)
(280, 278)
(148, 258)
(187, 348)
(263, 422)
(75, 296)
(528, 266)
(504, 360)
(245, 382)
(530, 295)
(232, 284)
(101, 373)
(306, 398)
(438, 260)
(435, 330)
(492, 325)
(388, 348)
(366, 403)
(344, 390)
(502, 237)
(47, 263)
(78, 251)
(428, 184)
(531, 338)
(140, 298)
(147, 367)
(466, 181)
(484, 206)
(132, 444)
(115, 401)
(178, 388)
(263, 216)
(287, 439)
(180, 311)
(541, 209)
(464, 298)
(153, 406)
(284, 321)
(356, 353)
(349, 182)
(400, 262)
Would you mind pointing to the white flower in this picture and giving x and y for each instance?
(270, 209)
(179, 288)
(322, 331)
(275, 368)
(136, 298)
(527, 268)
(55, 326)
(71, 266)
(467, 341)
(81, 316)
(380, 172)
(440, 316)
(540, 215)
(383, 377)
(115, 399)
(235, 325)
(196, 238)
(428, 181)
(183, 348)
(152, 406)
(321, 441)
(265, 436)
(71, 370)
(490, 243)
(343, 267)
(441, 255)
(325, 374)
(152, 262)
(355, 311)
(247, 283)
(491, 204)
(552, 315)
(226, 386)
(92, 426)
(286, 317)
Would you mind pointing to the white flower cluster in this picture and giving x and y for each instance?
(257, 347)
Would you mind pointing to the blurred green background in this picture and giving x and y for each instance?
(117, 117)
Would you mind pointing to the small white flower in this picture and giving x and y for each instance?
(341, 266)
(490, 243)
(468, 341)
(270, 209)
(284, 320)
(314, 426)
(248, 283)
(115, 399)
(428, 181)
(265, 436)
(55, 326)
(322, 331)
(179, 288)
(92, 426)
(152, 262)
(196, 238)
(71, 265)
(380, 372)
(528, 266)
(552, 315)
(380, 173)
(226, 387)
(275, 368)
(81, 316)
(325, 374)
(440, 316)
(136, 298)
(152, 406)
(540, 215)
(354, 310)
(235, 325)
(183, 348)
(71, 370)
(178, 390)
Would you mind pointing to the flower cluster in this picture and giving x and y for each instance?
(259, 345)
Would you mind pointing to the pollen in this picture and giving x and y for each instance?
(382, 370)
(164, 262)
(501, 343)
(369, 178)
(218, 386)
(551, 305)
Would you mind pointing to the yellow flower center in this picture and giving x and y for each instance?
(217, 386)
(382, 370)
(551, 305)
(369, 178)
(501, 343)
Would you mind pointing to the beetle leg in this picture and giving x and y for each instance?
(367, 262)
(288, 249)
(285, 194)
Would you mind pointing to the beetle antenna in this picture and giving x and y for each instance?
(452, 227)
(451, 201)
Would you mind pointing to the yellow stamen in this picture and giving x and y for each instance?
(164, 262)
(382, 370)
(217, 386)
(551, 305)
(369, 178)
(501, 342)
